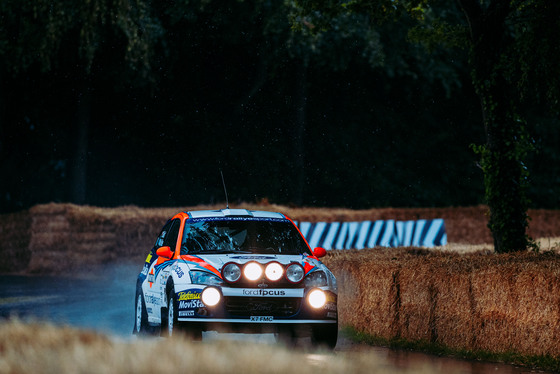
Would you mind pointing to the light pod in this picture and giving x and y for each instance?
(274, 271)
(253, 271)
(231, 272)
(294, 273)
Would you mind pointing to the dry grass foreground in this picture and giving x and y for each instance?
(44, 348)
(471, 302)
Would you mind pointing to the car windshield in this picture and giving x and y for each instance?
(242, 235)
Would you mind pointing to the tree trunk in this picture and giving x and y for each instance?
(504, 151)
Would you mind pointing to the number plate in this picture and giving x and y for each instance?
(262, 318)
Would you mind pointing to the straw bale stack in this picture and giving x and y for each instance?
(366, 293)
(66, 238)
(453, 304)
(518, 303)
(417, 299)
(497, 303)
(14, 241)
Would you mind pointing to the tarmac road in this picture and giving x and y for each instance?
(105, 303)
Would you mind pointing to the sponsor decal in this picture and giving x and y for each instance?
(254, 257)
(209, 219)
(150, 299)
(262, 318)
(151, 277)
(178, 270)
(145, 270)
(330, 306)
(190, 304)
(190, 295)
(260, 292)
(331, 315)
(186, 313)
(258, 307)
(149, 258)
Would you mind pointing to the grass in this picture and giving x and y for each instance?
(44, 348)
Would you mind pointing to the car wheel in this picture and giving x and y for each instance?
(141, 317)
(174, 326)
(325, 335)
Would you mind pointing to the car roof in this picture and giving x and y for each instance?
(233, 213)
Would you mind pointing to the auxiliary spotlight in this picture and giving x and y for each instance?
(253, 271)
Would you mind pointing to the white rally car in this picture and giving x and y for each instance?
(236, 270)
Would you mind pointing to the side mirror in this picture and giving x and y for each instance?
(164, 252)
(320, 252)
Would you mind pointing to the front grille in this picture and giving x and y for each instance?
(261, 306)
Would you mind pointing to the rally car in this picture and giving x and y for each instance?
(236, 270)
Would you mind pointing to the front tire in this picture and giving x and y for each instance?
(172, 323)
(141, 316)
(174, 327)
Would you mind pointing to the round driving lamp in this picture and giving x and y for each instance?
(231, 272)
(294, 273)
(253, 271)
(317, 298)
(210, 296)
(274, 271)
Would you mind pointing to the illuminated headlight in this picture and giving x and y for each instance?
(274, 271)
(294, 273)
(253, 271)
(316, 279)
(231, 272)
(203, 277)
(211, 296)
(317, 298)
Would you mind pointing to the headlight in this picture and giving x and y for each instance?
(231, 272)
(274, 271)
(211, 296)
(253, 271)
(316, 279)
(294, 273)
(203, 277)
(317, 298)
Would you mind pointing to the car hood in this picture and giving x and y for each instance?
(214, 263)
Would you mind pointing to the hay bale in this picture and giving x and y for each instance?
(454, 307)
(367, 294)
(14, 242)
(416, 299)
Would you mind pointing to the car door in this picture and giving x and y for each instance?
(162, 267)
(152, 286)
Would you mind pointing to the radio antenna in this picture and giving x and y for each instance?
(225, 191)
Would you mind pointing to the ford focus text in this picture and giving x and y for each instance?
(236, 270)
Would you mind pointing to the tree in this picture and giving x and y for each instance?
(67, 39)
(513, 51)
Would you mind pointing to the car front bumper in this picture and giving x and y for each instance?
(256, 306)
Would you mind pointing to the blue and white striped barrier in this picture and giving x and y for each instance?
(369, 234)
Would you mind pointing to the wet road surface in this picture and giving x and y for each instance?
(105, 303)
